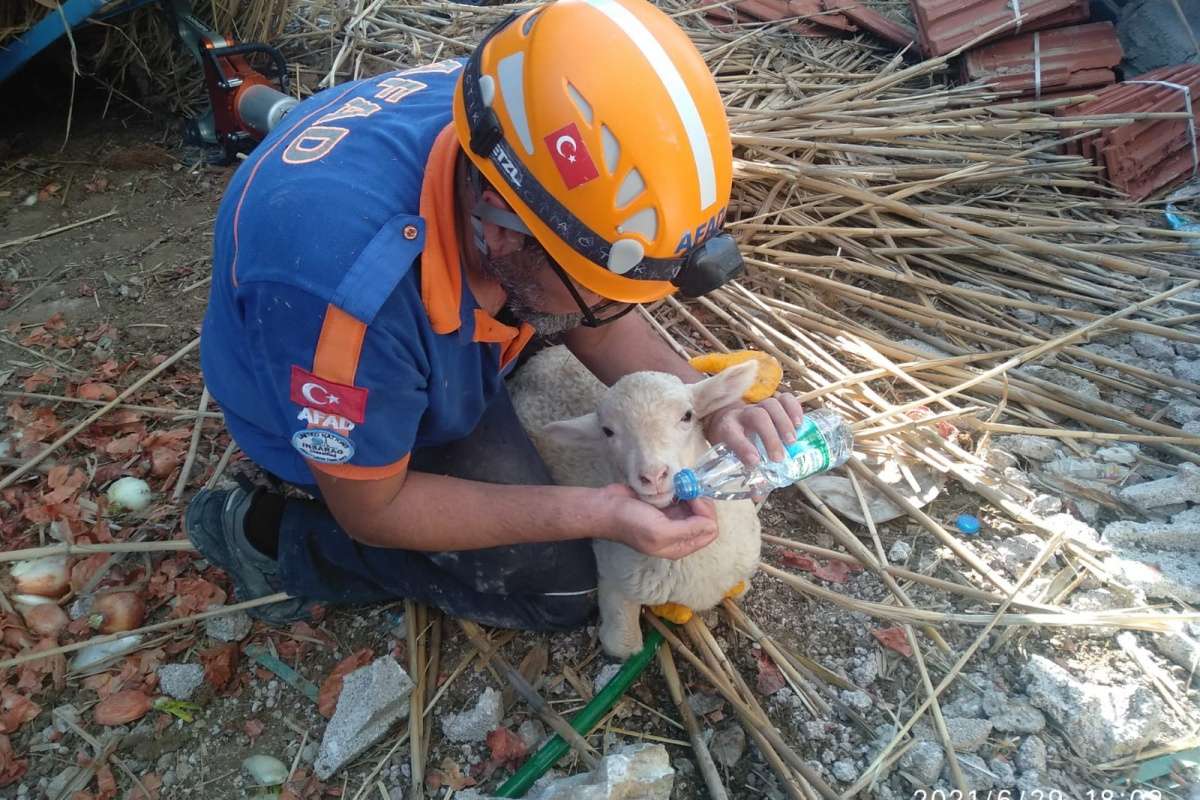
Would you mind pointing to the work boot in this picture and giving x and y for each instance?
(215, 522)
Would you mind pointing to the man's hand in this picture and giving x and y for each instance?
(774, 420)
(673, 532)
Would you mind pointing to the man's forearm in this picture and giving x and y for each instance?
(628, 345)
(436, 513)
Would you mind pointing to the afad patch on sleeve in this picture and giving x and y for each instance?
(327, 396)
(323, 446)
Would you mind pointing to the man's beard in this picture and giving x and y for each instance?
(517, 275)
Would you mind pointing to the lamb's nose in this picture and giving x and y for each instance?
(654, 475)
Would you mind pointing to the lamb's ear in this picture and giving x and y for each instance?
(723, 388)
(583, 430)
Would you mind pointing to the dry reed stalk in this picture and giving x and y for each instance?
(414, 614)
(708, 769)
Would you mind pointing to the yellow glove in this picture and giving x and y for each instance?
(770, 373)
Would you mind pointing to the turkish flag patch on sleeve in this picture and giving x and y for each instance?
(571, 156)
(333, 398)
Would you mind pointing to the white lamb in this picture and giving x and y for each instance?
(654, 420)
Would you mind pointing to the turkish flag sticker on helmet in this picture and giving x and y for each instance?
(571, 156)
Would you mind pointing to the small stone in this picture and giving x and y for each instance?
(228, 627)
(728, 744)
(372, 699)
(1045, 504)
(1031, 755)
(1038, 448)
(1147, 345)
(1096, 600)
(967, 734)
(1181, 646)
(703, 704)
(1087, 469)
(1118, 454)
(1074, 530)
(1011, 714)
(976, 774)
(899, 552)
(1005, 774)
(473, 725)
(1018, 551)
(967, 704)
(265, 770)
(923, 763)
(604, 676)
(1186, 370)
(1105, 721)
(845, 771)
(180, 680)
(856, 699)
(308, 754)
(532, 732)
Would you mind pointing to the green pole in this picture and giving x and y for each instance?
(584, 721)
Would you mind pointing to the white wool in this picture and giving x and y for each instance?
(644, 412)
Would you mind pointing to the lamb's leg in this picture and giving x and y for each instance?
(620, 632)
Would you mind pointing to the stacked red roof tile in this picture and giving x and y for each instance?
(946, 25)
(819, 17)
(1045, 62)
(1143, 157)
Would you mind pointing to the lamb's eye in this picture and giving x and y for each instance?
(607, 431)
(688, 416)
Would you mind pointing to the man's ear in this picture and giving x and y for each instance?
(724, 388)
(501, 241)
(579, 431)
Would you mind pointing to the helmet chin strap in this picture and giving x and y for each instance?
(483, 212)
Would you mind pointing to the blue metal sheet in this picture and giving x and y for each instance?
(44, 34)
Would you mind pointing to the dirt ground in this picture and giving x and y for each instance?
(105, 301)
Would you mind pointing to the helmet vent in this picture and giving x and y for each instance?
(630, 188)
(512, 85)
(644, 222)
(527, 26)
(612, 149)
(585, 108)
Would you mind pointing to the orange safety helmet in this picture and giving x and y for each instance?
(600, 124)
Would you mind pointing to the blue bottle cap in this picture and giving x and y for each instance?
(687, 485)
(968, 524)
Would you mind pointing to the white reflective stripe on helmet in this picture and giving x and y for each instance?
(673, 82)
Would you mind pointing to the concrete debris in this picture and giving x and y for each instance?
(228, 627)
(1076, 531)
(839, 494)
(923, 763)
(1003, 771)
(1147, 345)
(1105, 721)
(899, 552)
(976, 774)
(1031, 755)
(1118, 454)
(1019, 551)
(1186, 370)
(1171, 575)
(1182, 412)
(1101, 599)
(634, 772)
(967, 734)
(1046, 504)
(845, 771)
(473, 725)
(1012, 714)
(1181, 646)
(1000, 459)
(856, 699)
(180, 680)
(1038, 448)
(1087, 469)
(1181, 533)
(1184, 487)
(1064, 380)
(604, 676)
(373, 698)
(1192, 427)
(728, 744)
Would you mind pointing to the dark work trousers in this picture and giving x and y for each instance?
(550, 586)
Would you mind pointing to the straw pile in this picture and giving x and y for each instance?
(914, 250)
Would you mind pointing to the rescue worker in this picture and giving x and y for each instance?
(380, 261)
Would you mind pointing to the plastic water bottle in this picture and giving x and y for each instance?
(823, 441)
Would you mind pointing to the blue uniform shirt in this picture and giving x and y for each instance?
(340, 333)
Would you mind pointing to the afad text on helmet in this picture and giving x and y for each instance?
(703, 232)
